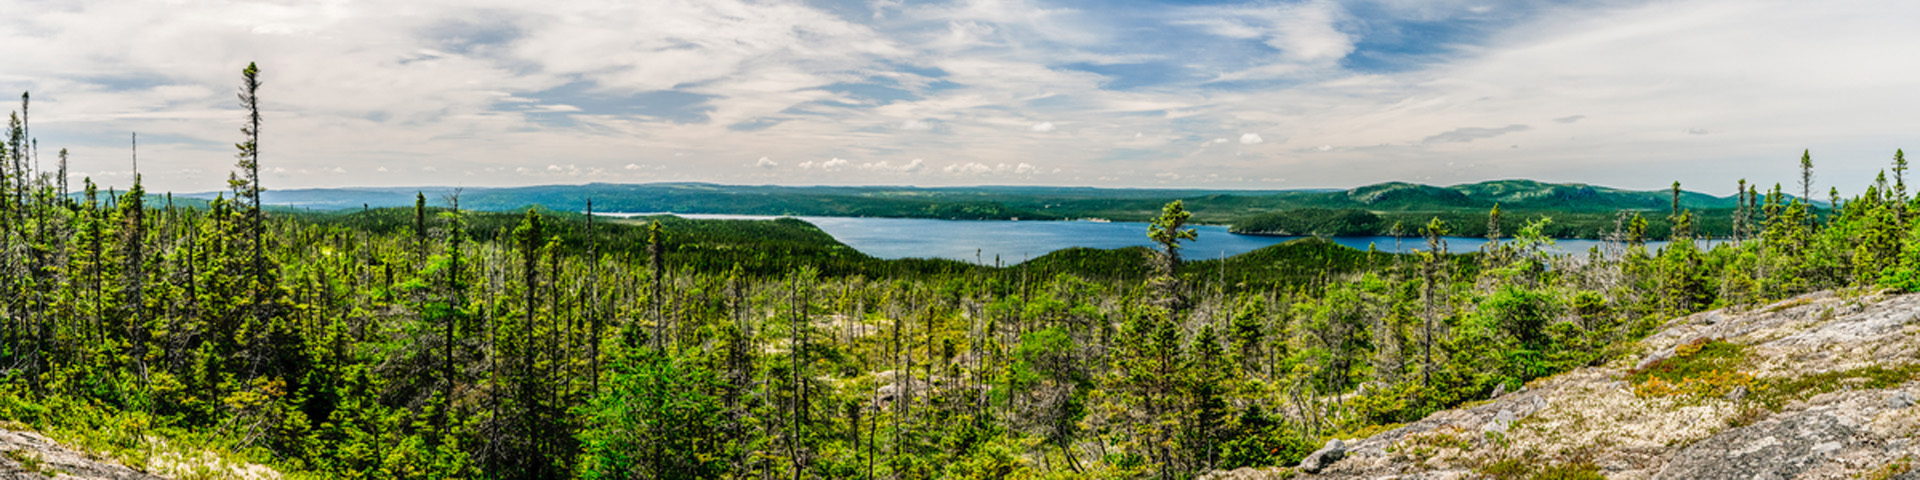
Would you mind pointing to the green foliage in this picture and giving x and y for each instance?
(1311, 222)
(658, 418)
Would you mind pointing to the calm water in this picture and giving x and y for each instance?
(1015, 242)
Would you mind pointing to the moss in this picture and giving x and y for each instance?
(1890, 470)
(1570, 471)
(1704, 367)
(1777, 392)
(1525, 469)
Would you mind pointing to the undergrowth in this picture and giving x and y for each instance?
(1701, 368)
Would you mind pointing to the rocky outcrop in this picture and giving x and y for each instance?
(1826, 389)
(27, 455)
(1320, 459)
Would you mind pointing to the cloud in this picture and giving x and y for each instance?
(1697, 131)
(1250, 139)
(765, 162)
(830, 165)
(1468, 134)
(913, 166)
(454, 87)
(1308, 36)
(981, 169)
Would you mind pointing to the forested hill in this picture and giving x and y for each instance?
(414, 342)
(991, 202)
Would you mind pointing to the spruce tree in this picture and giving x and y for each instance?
(1435, 267)
(1806, 175)
(1167, 231)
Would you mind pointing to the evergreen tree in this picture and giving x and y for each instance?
(1167, 231)
(1806, 175)
(1434, 264)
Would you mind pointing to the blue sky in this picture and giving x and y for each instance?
(1130, 93)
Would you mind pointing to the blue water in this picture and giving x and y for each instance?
(1014, 242)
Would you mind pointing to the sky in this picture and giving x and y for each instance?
(1111, 93)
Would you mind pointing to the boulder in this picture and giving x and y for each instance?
(1900, 400)
(1323, 458)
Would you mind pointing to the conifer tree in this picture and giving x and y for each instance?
(1167, 231)
(420, 225)
(1435, 264)
(656, 239)
(1806, 175)
(1900, 184)
(62, 176)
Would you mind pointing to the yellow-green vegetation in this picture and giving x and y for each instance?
(1774, 393)
(1890, 470)
(31, 462)
(1530, 469)
(1701, 368)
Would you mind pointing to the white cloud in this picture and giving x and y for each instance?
(981, 169)
(457, 87)
(634, 166)
(1250, 139)
(830, 165)
(765, 162)
(913, 166)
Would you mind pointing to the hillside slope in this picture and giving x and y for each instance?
(1820, 386)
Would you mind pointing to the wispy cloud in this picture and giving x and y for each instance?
(1320, 92)
(1468, 134)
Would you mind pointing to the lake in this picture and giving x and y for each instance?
(1017, 241)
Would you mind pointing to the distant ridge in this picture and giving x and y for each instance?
(1034, 201)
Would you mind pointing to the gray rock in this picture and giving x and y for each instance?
(1900, 400)
(1323, 458)
(57, 460)
(1737, 393)
(1781, 448)
(1656, 357)
(1499, 390)
(1500, 422)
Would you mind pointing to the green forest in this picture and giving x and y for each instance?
(1579, 211)
(417, 342)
